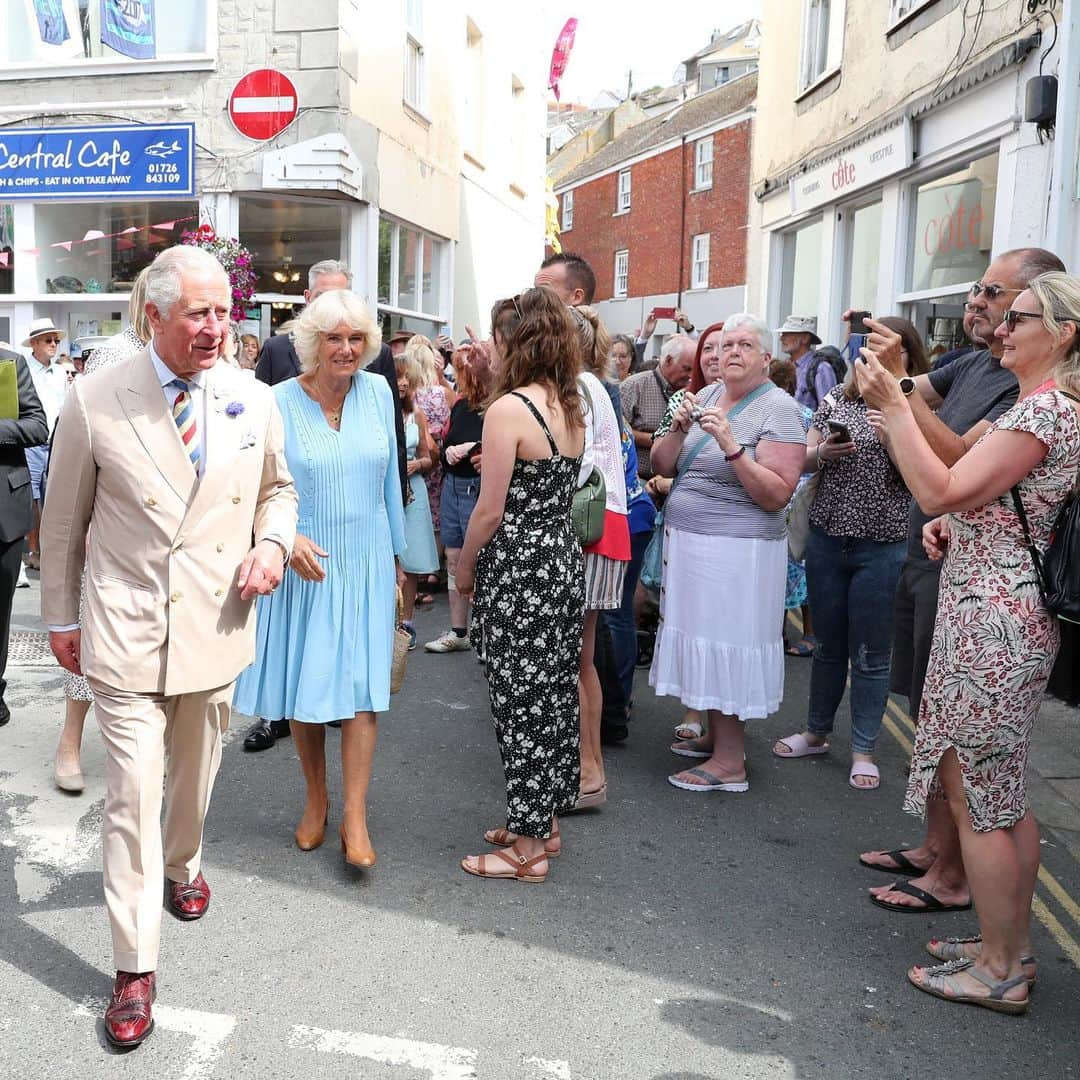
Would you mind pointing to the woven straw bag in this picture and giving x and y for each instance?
(402, 641)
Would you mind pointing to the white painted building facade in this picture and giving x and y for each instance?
(399, 160)
(886, 174)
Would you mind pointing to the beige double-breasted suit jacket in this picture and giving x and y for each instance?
(163, 612)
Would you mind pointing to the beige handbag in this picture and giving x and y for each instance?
(402, 640)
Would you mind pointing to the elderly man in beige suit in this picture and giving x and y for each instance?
(168, 483)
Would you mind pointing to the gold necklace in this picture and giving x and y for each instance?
(333, 415)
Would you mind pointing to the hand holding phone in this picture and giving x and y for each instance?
(663, 313)
(839, 432)
(858, 322)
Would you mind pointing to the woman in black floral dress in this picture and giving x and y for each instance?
(522, 553)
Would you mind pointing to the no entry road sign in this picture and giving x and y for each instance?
(263, 104)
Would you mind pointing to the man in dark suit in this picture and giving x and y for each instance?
(277, 362)
(30, 428)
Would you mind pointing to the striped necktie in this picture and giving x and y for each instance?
(183, 413)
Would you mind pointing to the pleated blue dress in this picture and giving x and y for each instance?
(323, 649)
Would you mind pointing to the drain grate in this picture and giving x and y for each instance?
(30, 648)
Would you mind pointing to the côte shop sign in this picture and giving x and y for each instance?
(953, 233)
(869, 162)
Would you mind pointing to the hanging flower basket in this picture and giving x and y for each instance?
(235, 258)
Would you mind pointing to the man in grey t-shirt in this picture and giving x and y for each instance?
(953, 406)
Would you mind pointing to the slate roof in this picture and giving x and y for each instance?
(696, 113)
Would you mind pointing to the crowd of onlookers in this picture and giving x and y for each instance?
(591, 509)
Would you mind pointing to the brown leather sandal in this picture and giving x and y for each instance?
(505, 838)
(521, 866)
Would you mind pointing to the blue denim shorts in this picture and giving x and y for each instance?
(37, 459)
(458, 500)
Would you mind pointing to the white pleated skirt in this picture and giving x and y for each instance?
(719, 645)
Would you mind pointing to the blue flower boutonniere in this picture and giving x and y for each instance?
(234, 408)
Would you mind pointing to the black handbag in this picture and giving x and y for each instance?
(1058, 570)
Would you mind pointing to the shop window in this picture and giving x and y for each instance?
(864, 249)
(410, 268)
(622, 200)
(101, 247)
(287, 236)
(953, 228)
(56, 38)
(801, 280)
(7, 251)
(622, 273)
(699, 262)
(567, 211)
(703, 152)
(822, 39)
(415, 58)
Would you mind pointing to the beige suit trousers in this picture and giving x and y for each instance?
(154, 742)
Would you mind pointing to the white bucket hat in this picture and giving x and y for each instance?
(39, 327)
(801, 324)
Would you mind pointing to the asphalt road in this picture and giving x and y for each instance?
(680, 936)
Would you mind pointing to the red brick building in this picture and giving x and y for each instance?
(661, 212)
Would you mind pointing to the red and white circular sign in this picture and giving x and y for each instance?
(263, 104)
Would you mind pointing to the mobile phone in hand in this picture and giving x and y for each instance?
(663, 313)
(839, 430)
(858, 322)
(477, 449)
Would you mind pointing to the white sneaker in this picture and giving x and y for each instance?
(23, 581)
(448, 641)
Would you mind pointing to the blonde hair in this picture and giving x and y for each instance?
(420, 351)
(1058, 295)
(595, 342)
(325, 314)
(409, 366)
(140, 323)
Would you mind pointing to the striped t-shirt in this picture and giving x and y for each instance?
(709, 498)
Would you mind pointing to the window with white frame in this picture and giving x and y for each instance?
(622, 273)
(822, 39)
(415, 90)
(901, 9)
(699, 262)
(410, 268)
(58, 39)
(567, 211)
(622, 202)
(703, 151)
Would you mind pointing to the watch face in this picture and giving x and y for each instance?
(907, 386)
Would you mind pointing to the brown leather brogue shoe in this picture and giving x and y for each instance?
(189, 901)
(128, 1018)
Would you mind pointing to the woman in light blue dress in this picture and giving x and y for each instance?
(421, 556)
(325, 638)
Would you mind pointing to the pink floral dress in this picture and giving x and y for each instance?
(431, 401)
(994, 642)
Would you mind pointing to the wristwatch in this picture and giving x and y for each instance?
(907, 386)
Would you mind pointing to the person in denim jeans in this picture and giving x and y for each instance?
(854, 553)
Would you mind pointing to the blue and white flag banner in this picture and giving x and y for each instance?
(52, 25)
(128, 27)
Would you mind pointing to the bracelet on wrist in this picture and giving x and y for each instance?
(817, 454)
(738, 454)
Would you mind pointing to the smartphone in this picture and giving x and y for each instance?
(858, 322)
(838, 429)
(663, 313)
(477, 449)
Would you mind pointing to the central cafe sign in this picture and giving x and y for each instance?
(870, 162)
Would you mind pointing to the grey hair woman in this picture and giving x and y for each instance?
(736, 448)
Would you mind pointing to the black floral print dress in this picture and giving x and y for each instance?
(527, 620)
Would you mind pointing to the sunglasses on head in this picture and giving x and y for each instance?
(992, 291)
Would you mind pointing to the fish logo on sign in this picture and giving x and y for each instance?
(159, 149)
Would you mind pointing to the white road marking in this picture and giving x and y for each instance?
(440, 1062)
(209, 1030)
(559, 1069)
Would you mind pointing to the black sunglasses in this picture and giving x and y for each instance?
(992, 291)
(1012, 317)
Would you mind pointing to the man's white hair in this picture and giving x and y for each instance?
(164, 275)
(328, 266)
(674, 346)
(745, 321)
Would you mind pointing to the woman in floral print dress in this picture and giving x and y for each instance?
(522, 553)
(994, 641)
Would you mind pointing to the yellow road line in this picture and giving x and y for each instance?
(901, 715)
(1057, 891)
(898, 735)
(1059, 933)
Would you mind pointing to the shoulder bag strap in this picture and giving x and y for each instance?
(665, 390)
(1018, 504)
